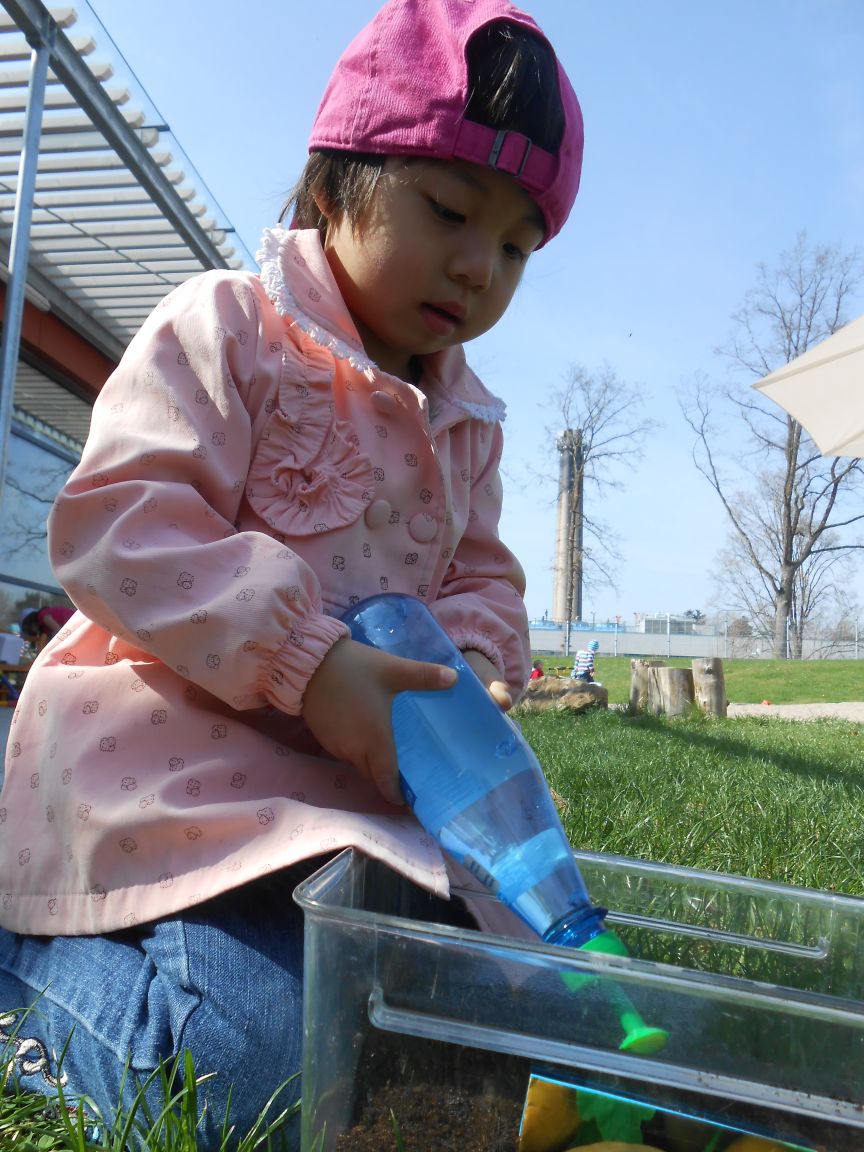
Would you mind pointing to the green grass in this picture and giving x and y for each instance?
(752, 681)
(768, 798)
(774, 799)
(29, 1123)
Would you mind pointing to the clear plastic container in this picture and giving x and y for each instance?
(760, 987)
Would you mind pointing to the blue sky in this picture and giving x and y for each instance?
(715, 132)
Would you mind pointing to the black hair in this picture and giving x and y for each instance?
(514, 84)
(343, 180)
(513, 77)
(30, 629)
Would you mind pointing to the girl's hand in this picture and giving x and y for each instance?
(489, 676)
(348, 705)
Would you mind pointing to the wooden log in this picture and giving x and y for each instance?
(639, 672)
(710, 685)
(582, 695)
(552, 693)
(670, 691)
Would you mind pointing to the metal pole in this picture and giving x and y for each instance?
(20, 246)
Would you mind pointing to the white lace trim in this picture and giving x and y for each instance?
(494, 413)
(276, 287)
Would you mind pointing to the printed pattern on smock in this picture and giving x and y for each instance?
(249, 475)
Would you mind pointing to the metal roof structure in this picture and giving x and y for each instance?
(117, 216)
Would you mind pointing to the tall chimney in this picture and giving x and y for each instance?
(567, 572)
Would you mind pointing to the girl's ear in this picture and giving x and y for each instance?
(323, 203)
(328, 214)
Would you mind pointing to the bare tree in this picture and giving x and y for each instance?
(25, 527)
(842, 632)
(801, 505)
(741, 628)
(739, 638)
(817, 585)
(599, 430)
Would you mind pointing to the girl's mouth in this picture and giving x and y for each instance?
(442, 319)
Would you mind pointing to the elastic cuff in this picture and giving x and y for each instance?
(296, 661)
(481, 643)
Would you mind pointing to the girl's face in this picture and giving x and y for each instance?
(435, 260)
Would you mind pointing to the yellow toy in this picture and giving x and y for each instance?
(551, 1116)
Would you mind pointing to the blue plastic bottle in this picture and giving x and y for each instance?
(474, 784)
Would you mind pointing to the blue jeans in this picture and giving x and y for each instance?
(222, 980)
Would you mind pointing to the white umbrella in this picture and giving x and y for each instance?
(823, 390)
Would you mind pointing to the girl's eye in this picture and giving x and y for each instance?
(445, 213)
(515, 253)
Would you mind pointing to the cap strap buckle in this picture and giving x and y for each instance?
(504, 156)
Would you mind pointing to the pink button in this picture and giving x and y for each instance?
(377, 514)
(423, 527)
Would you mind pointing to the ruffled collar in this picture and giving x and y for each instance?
(299, 283)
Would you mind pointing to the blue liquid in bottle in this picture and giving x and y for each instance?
(473, 781)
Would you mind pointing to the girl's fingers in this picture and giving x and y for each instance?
(383, 772)
(415, 676)
(500, 693)
(489, 675)
(404, 676)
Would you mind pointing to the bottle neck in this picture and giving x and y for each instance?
(577, 928)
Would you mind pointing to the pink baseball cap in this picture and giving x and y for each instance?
(401, 88)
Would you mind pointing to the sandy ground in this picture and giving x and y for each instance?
(847, 711)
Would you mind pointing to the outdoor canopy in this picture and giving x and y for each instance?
(823, 389)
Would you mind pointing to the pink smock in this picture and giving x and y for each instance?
(249, 475)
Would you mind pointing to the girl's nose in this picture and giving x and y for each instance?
(472, 262)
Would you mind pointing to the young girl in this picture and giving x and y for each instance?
(272, 449)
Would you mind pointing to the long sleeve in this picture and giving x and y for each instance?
(143, 536)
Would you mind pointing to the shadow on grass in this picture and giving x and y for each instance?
(719, 740)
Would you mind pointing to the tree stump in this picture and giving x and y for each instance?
(670, 690)
(639, 673)
(710, 685)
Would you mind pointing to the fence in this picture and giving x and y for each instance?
(552, 639)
